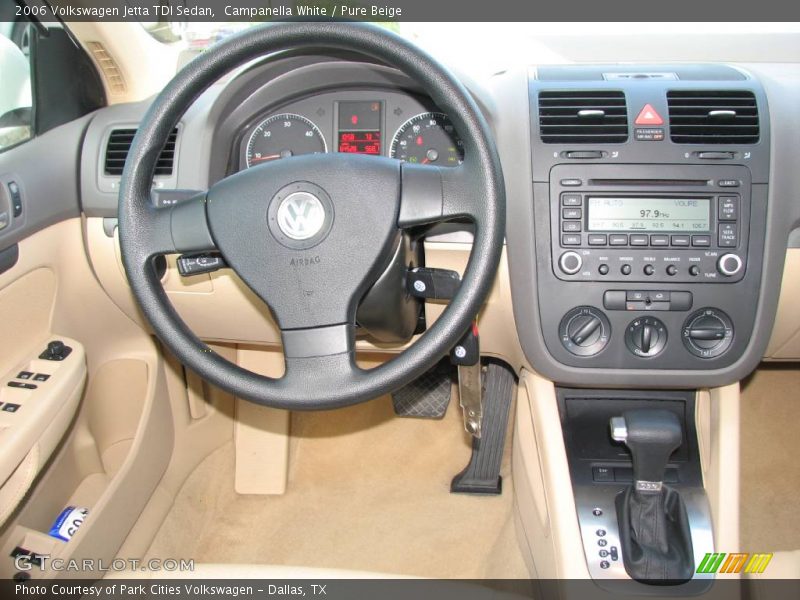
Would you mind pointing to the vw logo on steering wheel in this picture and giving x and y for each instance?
(301, 215)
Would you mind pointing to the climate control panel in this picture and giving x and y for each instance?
(586, 331)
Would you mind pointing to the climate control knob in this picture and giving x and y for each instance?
(584, 331)
(729, 264)
(646, 337)
(708, 333)
(570, 262)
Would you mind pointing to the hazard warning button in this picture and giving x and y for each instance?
(649, 116)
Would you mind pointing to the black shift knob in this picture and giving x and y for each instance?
(651, 435)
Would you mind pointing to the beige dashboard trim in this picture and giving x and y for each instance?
(785, 341)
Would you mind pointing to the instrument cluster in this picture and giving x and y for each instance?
(382, 123)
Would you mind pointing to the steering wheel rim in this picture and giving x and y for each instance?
(328, 379)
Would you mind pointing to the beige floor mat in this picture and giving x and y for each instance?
(770, 447)
(367, 491)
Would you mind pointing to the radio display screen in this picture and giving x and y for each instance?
(649, 214)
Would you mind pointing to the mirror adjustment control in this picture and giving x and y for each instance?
(708, 333)
(570, 262)
(584, 331)
(56, 350)
(729, 264)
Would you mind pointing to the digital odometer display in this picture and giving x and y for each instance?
(360, 127)
(649, 214)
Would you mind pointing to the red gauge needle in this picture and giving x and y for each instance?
(270, 157)
(425, 161)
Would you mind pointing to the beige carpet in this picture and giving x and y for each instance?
(770, 510)
(367, 491)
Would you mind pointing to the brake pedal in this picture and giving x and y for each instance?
(428, 396)
(482, 474)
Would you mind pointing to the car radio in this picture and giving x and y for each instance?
(680, 224)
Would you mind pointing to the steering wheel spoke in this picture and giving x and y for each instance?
(180, 228)
(319, 352)
(432, 195)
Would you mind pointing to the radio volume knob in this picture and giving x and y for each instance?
(729, 264)
(570, 262)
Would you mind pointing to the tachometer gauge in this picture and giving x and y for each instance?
(428, 138)
(281, 136)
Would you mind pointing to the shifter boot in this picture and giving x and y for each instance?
(654, 535)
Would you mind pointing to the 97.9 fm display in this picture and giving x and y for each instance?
(359, 130)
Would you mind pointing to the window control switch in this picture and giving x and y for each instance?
(22, 385)
(41, 377)
(24, 375)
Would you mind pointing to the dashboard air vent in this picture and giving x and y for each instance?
(713, 117)
(583, 117)
(119, 144)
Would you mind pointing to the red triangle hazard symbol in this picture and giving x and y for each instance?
(649, 116)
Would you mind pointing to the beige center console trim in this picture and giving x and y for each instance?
(543, 487)
(717, 416)
(785, 341)
(542, 483)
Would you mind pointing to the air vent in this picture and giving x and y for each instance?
(583, 117)
(119, 143)
(713, 117)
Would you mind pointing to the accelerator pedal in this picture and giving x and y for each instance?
(482, 474)
(428, 396)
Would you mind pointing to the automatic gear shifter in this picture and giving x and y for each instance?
(653, 524)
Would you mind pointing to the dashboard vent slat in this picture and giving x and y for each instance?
(119, 144)
(583, 117)
(713, 117)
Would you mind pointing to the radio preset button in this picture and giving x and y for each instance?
(727, 236)
(618, 239)
(598, 239)
(572, 213)
(703, 241)
(571, 200)
(570, 262)
(638, 240)
(680, 240)
(659, 240)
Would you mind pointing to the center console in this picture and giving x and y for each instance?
(637, 259)
(649, 209)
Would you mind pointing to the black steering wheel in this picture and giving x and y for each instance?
(309, 235)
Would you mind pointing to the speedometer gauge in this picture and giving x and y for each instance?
(281, 136)
(428, 138)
